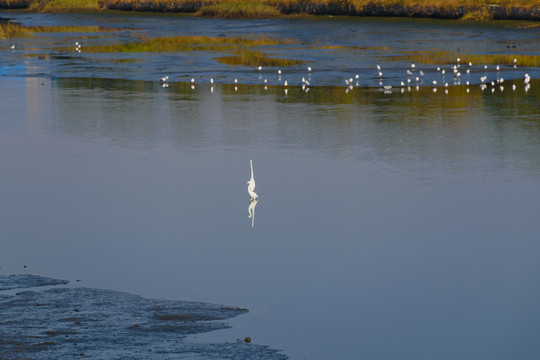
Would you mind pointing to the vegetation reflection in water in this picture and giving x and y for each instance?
(413, 107)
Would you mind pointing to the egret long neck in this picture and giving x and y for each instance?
(251, 164)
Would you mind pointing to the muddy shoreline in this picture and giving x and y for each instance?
(308, 8)
(63, 322)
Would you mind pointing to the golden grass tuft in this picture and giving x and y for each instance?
(243, 9)
(481, 14)
(253, 58)
(63, 6)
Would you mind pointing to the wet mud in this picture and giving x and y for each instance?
(69, 322)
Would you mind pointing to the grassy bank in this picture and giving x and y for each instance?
(454, 9)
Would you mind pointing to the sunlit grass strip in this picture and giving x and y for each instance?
(247, 57)
(469, 9)
(64, 5)
(187, 43)
(239, 10)
(10, 30)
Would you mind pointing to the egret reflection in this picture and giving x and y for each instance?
(251, 210)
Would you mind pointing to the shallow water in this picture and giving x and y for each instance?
(390, 225)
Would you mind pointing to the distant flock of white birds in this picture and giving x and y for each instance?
(413, 78)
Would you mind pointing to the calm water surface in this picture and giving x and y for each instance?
(398, 225)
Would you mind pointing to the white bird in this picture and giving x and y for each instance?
(192, 80)
(259, 68)
(165, 79)
(309, 69)
(211, 80)
(379, 67)
(279, 72)
(12, 47)
(251, 183)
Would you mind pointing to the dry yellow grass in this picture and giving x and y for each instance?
(269, 8)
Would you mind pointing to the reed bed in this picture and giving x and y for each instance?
(480, 10)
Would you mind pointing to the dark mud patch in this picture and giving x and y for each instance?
(63, 323)
(27, 281)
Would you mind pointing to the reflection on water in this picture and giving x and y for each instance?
(251, 210)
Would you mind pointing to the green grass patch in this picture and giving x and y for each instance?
(10, 29)
(239, 10)
(187, 43)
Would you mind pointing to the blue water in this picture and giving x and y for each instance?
(397, 225)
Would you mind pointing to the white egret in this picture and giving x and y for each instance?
(309, 69)
(251, 183)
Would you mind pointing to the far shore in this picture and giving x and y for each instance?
(478, 10)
